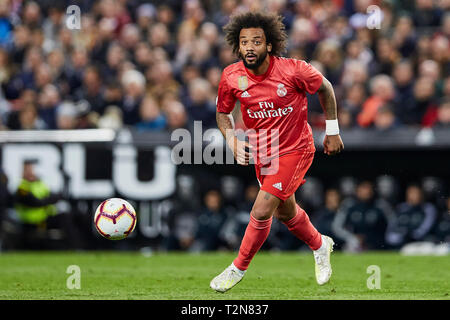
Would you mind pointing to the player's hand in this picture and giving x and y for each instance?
(332, 145)
(241, 150)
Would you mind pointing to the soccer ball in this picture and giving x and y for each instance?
(115, 219)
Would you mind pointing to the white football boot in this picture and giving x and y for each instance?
(227, 279)
(322, 259)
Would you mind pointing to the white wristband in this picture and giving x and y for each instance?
(331, 127)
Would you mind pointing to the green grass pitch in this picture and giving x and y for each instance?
(271, 276)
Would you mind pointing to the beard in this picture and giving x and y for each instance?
(254, 65)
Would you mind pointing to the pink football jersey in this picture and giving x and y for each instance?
(274, 105)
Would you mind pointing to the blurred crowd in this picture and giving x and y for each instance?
(360, 215)
(156, 65)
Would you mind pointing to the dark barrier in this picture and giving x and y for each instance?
(90, 166)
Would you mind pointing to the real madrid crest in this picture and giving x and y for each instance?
(281, 91)
(243, 82)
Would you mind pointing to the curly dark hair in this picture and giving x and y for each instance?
(272, 24)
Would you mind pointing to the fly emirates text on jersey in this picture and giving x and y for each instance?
(268, 111)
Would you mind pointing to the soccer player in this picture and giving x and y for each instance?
(272, 93)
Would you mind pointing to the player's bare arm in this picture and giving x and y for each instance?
(332, 143)
(225, 123)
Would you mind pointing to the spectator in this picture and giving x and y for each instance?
(354, 72)
(323, 218)
(385, 119)
(145, 15)
(386, 56)
(134, 89)
(189, 73)
(446, 88)
(222, 16)
(25, 119)
(74, 70)
(210, 222)
(113, 93)
(5, 67)
(159, 36)
(305, 34)
(32, 15)
(161, 79)
(403, 76)
(330, 54)
(202, 56)
(429, 69)
(441, 230)
(345, 118)
(86, 119)
(236, 223)
(382, 92)
(426, 14)
(42, 76)
(167, 14)
(130, 36)
(413, 219)
(92, 89)
(210, 33)
(151, 117)
(213, 75)
(440, 46)
(310, 195)
(355, 51)
(362, 223)
(182, 218)
(171, 44)
(27, 96)
(6, 27)
(6, 202)
(404, 38)
(143, 56)
(52, 23)
(56, 64)
(446, 24)
(199, 104)
(49, 99)
(111, 119)
(176, 115)
(340, 29)
(21, 41)
(35, 206)
(115, 57)
(443, 115)
(423, 50)
(432, 188)
(424, 99)
(66, 116)
(355, 95)
(387, 189)
(25, 78)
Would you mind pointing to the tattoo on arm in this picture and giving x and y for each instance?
(327, 100)
(224, 122)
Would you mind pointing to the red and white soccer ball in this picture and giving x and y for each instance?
(115, 219)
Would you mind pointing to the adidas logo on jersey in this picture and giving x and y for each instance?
(278, 186)
(245, 94)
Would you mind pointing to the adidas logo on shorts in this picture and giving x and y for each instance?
(245, 94)
(278, 186)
